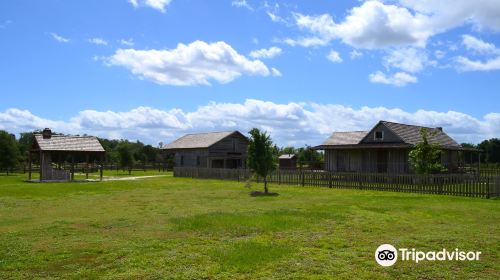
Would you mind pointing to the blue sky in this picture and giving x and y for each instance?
(154, 69)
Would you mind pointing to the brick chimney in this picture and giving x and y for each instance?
(47, 133)
(439, 128)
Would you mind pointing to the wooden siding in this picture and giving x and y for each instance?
(230, 152)
(232, 145)
(189, 158)
(389, 136)
(367, 160)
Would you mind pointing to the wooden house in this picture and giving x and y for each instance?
(53, 151)
(384, 149)
(288, 161)
(210, 150)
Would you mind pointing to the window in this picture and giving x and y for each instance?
(198, 162)
(182, 160)
(379, 135)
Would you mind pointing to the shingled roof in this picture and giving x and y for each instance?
(345, 138)
(199, 140)
(69, 143)
(410, 134)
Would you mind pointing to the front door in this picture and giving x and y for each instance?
(382, 161)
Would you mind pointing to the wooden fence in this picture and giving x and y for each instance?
(446, 184)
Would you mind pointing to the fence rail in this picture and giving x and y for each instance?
(445, 184)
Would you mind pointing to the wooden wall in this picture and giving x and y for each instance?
(389, 136)
(367, 160)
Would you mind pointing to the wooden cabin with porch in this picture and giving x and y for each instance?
(210, 150)
(385, 148)
(55, 152)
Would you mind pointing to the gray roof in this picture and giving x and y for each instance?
(410, 134)
(287, 156)
(345, 138)
(69, 143)
(199, 140)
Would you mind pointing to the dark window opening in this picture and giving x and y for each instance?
(198, 162)
(182, 160)
(379, 135)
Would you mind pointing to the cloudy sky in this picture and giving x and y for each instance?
(153, 70)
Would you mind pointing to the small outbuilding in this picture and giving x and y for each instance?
(288, 161)
(53, 151)
(210, 150)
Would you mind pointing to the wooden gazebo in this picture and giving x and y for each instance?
(55, 150)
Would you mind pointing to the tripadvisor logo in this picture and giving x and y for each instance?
(387, 255)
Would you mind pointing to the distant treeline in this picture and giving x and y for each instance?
(490, 151)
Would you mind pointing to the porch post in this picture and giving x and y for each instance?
(29, 165)
(41, 166)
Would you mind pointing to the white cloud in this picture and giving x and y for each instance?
(466, 64)
(334, 56)
(241, 4)
(355, 54)
(398, 79)
(375, 24)
(289, 123)
(439, 54)
(305, 42)
(275, 72)
(478, 45)
(159, 5)
(266, 53)
(407, 59)
(98, 41)
(194, 64)
(492, 53)
(59, 38)
(275, 18)
(127, 42)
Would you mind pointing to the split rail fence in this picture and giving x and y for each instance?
(445, 184)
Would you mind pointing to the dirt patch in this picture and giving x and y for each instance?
(257, 193)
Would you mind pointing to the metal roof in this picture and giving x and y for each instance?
(345, 138)
(199, 140)
(287, 156)
(69, 143)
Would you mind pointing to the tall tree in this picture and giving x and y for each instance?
(491, 149)
(126, 155)
(425, 158)
(260, 155)
(9, 152)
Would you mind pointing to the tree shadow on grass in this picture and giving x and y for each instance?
(257, 193)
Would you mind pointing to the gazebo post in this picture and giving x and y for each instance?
(101, 167)
(72, 166)
(86, 166)
(29, 165)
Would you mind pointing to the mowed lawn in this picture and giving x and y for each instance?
(179, 228)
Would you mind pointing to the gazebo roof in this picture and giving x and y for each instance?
(61, 143)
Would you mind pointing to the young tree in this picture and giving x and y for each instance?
(9, 152)
(260, 154)
(425, 158)
(126, 155)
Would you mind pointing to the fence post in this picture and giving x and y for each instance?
(330, 179)
(487, 187)
(303, 177)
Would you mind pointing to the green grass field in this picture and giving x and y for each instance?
(179, 228)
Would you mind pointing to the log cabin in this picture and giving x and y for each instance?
(385, 148)
(210, 150)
